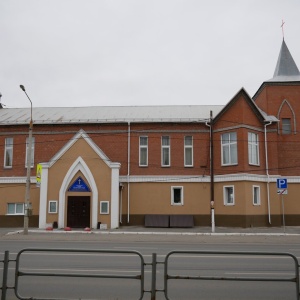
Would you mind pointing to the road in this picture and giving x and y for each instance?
(129, 265)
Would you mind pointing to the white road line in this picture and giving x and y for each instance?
(80, 270)
(260, 273)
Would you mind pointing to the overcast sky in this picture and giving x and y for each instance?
(138, 52)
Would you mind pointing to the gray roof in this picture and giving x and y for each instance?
(286, 68)
(109, 114)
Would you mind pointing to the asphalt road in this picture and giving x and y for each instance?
(183, 264)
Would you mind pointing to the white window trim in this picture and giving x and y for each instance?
(172, 195)
(189, 147)
(253, 188)
(15, 214)
(12, 152)
(225, 195)
(32, 152)
(165, 147)
(256, 146)
(230, 143)
(143, 147)
(49, 205)
(104, 212)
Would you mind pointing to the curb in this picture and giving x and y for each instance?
(157, 233)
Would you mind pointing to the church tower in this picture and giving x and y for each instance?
(280, 96)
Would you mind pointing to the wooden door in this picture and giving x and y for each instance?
(78, 214)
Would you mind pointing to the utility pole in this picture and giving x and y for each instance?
(27, 207)
(212, 188)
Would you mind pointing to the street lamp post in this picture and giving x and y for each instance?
(28, 159)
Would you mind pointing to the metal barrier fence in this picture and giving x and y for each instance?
(294, 279)
(19, 271)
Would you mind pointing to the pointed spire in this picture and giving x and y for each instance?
(286, 68)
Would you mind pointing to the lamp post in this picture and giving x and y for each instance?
(28, 159)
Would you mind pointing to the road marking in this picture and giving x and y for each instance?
(260, 273)
(80, 270)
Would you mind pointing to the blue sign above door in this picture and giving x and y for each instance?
(79, 186)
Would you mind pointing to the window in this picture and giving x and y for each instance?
(253, 148)
(143, 151)
(104, 207)
(188, 151)
(229, 148)
(256, 195)
(32, 152)
(52, 207)
(8, 153)
(15, 208)
(228, 195)
(165, 148)
(176, 195)
(286, 126)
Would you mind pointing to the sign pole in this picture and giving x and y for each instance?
(283, 220)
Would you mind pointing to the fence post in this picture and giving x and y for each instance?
(5, 271)
(153, 282)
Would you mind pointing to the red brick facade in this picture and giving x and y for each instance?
(139, 191)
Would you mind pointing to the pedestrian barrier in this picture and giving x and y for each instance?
(19, 272)
(293, 279)
(174, 255)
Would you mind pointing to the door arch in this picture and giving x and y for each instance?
(78, 165)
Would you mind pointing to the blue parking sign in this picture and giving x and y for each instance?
(282, 183)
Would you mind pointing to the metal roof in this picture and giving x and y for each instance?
(286, 68)
(108, 114)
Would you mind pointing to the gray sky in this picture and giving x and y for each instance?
(138, 52)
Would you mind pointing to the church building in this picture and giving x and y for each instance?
(158, 166)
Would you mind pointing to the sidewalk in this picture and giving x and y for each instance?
(196, 231)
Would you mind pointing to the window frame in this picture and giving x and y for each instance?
(225, 195)
(8, 149)
(15, 209)
(101, 210)
(143, 147)
(181, 203)
(258, 203)
(232, 146)
(253, 146)
(187, 148)
(49, 206)
(168, 148)
(32, 151)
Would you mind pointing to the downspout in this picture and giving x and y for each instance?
(128, 174)
(121, 201)
(267, 171)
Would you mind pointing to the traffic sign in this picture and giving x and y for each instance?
(282, 183)
(282, 191)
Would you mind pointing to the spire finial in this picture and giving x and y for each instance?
(282, 28)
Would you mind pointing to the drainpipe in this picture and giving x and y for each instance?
(128, 174)
(121, 202)
(267, 171)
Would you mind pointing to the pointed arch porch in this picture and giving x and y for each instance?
(78, 166)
